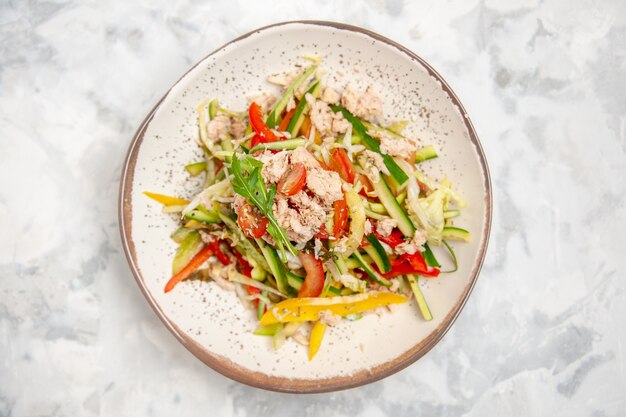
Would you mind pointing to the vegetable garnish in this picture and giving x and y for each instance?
(248, 183)
(313, 212)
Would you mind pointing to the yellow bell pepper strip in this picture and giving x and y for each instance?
(166, 200)
(317, 334)
(308, 309)
(356, 212)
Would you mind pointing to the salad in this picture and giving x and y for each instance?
(314, 210)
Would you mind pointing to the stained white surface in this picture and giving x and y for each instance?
(543, 333)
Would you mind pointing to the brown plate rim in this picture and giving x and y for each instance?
(283, 384)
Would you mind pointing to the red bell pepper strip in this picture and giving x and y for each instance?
(263, 133)
(340, 163)
(215, 246)
(243, 266)
(322, 233)
(195, 263)
(285, 122)
(409, 264)
(393, 239)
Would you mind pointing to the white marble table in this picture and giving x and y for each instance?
(544, 332)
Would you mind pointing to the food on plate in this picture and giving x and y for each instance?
(314, 210)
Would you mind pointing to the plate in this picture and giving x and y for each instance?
(211, 322)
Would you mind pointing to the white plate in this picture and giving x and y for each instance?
(211, 322)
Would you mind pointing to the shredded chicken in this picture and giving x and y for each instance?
(366, 105)
(416, 244)
(373, 165)
(285, 79)
(385, 226)
(237, 127)
(393, 145)
(264, 100)
(329, 318)
(301, 223)
(325, 184)
(341, 245)
(217, 129)
(274, 165)
(330, 96)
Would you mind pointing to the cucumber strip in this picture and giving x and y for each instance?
(451, 214)
(429, 257)
(378, 254)
(295, 282)
(376, 207)
(401, 197)
(195, 168)
(372, 144)
(327, 280)
(456, 263)
(272, 119)
(425, 153)
(276, 266)
(373, 215)
(180, 234)
(419, 297)
(455, 233)
(203, 216)
(260, 310)
(244, 245)
(393, 208)
(370, 272)
(289, 144)
(269, 330)
(213, 107)
(258, 274)
(298, 115)
(340, 261)
(227, 144)
(353, 316)
(352, 263)
(186, 251)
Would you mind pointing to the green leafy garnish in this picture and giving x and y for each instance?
(248, 182)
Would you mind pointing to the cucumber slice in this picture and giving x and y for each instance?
(244, 246)
(272, 119)
(276, 266)
(451, 214)
(269, 330)
(429, 257)
(298, 115)
(186, 251)
(203, 216)
(372, 144)
(289, 144)
(455, 233)
(378, 254)
(214, 105)
(425, 153)
(369, 271)
(419, 297)
(180, 234)
(196, 168)
(393, 208)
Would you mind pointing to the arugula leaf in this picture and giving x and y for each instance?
(248, 182)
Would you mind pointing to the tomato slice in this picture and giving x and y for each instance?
(340, 163)
(263, 133)
(251, 222)
(293, 180)
(314, 281)
(341, 217)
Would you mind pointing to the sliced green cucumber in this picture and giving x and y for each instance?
(244, 245)
(189, 247)
(393, 208)
(455, 233)
(196, 168)
(419, 297)
(214, 105)
(429, 257)
(378, 254)
(369, 271)
(272, 118)
(180, 234)
(269, 330)
(425, 153)
(203, 216)
(372, 144)
(276, 266)
(289, 144)
(298, 115)
(451, 214)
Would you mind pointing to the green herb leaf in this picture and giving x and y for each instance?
(248, 182)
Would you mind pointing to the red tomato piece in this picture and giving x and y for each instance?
(251, 222)
(341, 217)
(314, 281)
(340, 163)
(293, 180)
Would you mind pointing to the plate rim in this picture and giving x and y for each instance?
(300, 385)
